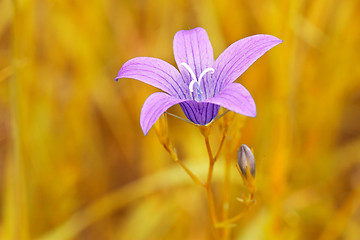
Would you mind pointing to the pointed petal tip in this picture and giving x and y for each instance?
(145, 130)
(268, 37)
(276, 40)
(252, 112)
(191, 30)
(145, 126)
(155, 105)
(118, 76)
(199, 29)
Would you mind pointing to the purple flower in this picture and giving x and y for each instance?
(202, 85)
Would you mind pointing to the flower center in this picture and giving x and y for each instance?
(194, 79)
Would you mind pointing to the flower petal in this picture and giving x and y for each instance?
(193, 47)
(155, 72)
(239, 56)
(200, 113)
(236, 98)
(155, 105)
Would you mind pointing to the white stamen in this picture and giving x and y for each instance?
(204, 72)
(190, 71)
(194, 79)
(191, 85)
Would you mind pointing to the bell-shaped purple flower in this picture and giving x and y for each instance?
(202, 85)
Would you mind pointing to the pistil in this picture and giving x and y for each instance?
(195, 80)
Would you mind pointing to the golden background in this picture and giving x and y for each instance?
(74, 163)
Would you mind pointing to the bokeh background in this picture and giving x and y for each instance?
(74, 163)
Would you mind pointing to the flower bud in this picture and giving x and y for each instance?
(246, 166)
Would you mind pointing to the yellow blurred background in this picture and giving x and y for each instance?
(74, 163)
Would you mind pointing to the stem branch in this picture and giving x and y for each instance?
(174, 156)
(205, 131)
